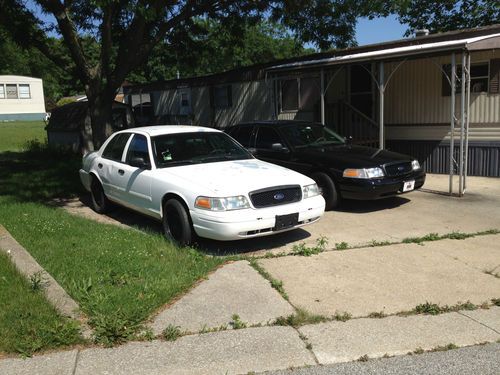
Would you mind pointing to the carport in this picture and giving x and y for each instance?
(381, 63)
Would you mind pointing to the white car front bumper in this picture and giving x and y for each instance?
(248, 223)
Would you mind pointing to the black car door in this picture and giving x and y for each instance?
(270, 146)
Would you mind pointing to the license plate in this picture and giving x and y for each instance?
(408, 185)
(286, 221)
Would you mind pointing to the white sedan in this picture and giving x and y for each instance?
(198, 181)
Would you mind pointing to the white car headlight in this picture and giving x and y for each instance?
(415, 165)
(222, 204)
(310, 191)
(364, 173)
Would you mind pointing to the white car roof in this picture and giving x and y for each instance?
(169, 129)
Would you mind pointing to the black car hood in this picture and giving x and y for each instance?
(346, 156)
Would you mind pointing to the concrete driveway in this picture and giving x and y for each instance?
(358, 223)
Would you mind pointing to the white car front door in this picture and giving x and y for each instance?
(135, 184)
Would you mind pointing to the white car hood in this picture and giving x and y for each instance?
(239, 177)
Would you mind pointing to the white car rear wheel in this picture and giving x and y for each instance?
(100, 203)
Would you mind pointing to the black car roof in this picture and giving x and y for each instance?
(276, 123)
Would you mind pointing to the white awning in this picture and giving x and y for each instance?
(390, 52)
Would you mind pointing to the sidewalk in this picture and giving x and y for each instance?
(271, 348)
(366, 284)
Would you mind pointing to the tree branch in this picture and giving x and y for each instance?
(68, 31)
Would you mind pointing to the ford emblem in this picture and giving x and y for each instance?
(279, 196)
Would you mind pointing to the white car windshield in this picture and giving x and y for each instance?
(311, 134)
(194, 148)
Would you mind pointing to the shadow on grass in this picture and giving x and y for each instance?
(40, 173)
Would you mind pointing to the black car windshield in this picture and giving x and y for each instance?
(193, 148)
(310, 134)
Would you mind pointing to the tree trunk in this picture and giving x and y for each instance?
(100, 119)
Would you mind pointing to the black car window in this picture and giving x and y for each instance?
(138, 149)
(114, 149)
(195, 148)
(310, 134)
(243, 134)
(266, 137)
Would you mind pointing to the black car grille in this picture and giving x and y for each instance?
(275, 196)
(398, 169)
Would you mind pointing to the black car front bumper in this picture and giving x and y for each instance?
(368, 189)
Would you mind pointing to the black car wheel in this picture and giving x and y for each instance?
(176, 223)
(328, 189)
(100, 203)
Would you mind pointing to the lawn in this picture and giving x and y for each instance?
(15, 135)
(118, 276)
(27, 321)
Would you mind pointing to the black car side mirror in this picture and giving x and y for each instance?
(279, 147)
(348, 140)
(139, 162)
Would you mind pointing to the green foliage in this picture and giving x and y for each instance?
(342, 316)
(303, 250)
(275, 283)
(64, 101)
(435, 309)
(37, 281)
(171, 333)
(237, 323)
(496, 301)
(447, 15)
(300, 318)
(341, 246)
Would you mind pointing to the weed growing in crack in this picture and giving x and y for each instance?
(303, 250)
(377, 315)
(341, 246)
(171, 333)
(37, 281)
(342, 316)
(300, 318)
(237, 323)
(275, 283)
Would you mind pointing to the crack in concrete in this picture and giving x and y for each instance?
(477, 321)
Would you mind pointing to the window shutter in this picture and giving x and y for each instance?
(495, 76)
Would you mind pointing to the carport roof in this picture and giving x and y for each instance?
(471, 44)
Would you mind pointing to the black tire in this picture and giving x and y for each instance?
(328, 190)
(100, 203)
(176, 223)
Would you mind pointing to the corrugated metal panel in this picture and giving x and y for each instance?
(251, 101)
(441, 132)
(413, 95)
(484, 157)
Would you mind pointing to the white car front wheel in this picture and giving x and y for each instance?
(176, 223)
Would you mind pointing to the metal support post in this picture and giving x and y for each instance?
(466, 157)
(462, 128)
(381, 88)
(452, 114)
(322, 96)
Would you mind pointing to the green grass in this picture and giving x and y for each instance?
(14, 135)
(118, 276)
(28, 322)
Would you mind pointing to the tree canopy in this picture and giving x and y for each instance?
(447, 15)
(97, 45)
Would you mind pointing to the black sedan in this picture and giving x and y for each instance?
(341, 170)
